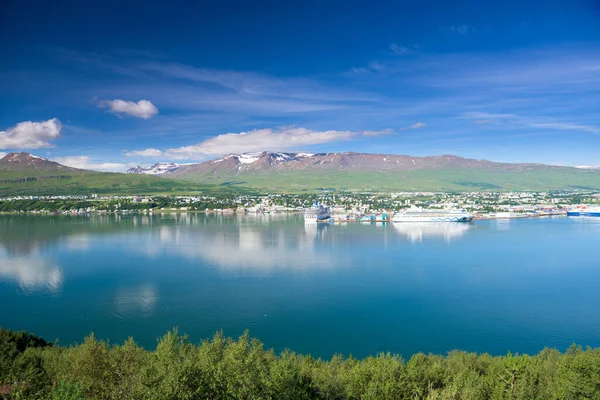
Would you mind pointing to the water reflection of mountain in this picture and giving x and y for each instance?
(244, 245)
(22, 235)
(417, 232)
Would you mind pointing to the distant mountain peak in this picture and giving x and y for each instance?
(26, 161)
(21, 157)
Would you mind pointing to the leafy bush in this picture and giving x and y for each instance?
(224, 368)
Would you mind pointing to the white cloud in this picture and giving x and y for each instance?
(259, 140)
(142, 109)
(144, 153)
(255, 141)
(30, 135)
(84, 162)
(399, 49)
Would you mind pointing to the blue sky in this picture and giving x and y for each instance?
(126, 83)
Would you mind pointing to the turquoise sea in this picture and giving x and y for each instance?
(488, 286)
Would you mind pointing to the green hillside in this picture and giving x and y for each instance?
(87, 182)
(417, 180)
(74, 182)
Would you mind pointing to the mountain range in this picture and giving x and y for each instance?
(23, 173)
(306, 171)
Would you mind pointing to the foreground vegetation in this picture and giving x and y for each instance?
(223, 368)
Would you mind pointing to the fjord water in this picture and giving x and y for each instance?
(493, 286)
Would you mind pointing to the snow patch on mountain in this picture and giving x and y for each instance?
(587, 166)
(249, 158)
(282, 156)
(156, 169)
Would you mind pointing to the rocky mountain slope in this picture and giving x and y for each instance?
(249, 163)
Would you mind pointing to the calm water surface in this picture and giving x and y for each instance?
(354, 289)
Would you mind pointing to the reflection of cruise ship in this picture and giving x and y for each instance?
(318, 212)
(416, 232)
(417, 214)
(584, 211)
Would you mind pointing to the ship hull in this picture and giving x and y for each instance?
(583, 213)
(458, 218)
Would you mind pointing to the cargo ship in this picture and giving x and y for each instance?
(317, 213)
(417, 214)
(584, 211)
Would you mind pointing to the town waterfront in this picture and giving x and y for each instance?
(487, 286)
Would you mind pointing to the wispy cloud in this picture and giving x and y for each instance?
(459, 29)
(565, 126)
(531, 122)
(400, 49)
(256, 140)
(382, 132)
(85, 162)
(417, 125)
(142, 109)
(30, 135)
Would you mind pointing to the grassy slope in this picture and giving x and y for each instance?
(87, 182)
(427, 180)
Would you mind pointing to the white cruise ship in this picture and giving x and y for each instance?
(417, 214)
(317, 212)
(584, 211)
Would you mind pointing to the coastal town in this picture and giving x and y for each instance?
(483, 205)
